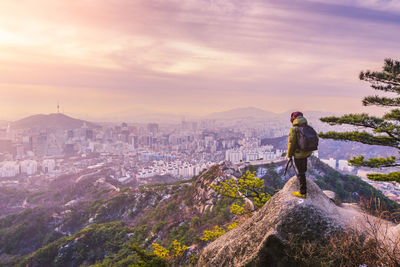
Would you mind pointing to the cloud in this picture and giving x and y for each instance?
(188, 52)
(392, 6)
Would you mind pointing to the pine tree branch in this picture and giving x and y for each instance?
(387, 88)
(355, 119)
(381, 101)
(388, 177)
(380, 78)
(390, 129)
(374, 162)
(388, 80)
(389, 75)
(377, 124)
(394, 114)
(362, 137)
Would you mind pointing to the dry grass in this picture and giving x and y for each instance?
(374, 245)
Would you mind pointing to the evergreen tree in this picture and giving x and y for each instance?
(382, 131)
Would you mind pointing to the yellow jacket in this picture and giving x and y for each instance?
(292, 142)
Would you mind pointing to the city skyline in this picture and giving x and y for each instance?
(104, 58)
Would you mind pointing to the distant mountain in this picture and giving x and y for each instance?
(150, 117)
(257, 113)
(337, 149)
(54, 120)
(242, 113)
(249, 114)
(142, 116)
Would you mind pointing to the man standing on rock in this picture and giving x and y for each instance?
(302, 141)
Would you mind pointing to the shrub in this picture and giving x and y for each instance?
(373, 247)
(213, 235)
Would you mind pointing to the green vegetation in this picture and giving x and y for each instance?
(107, 244)
(236, 190)
(164, 212)
(161, 214)
(211, 173)
(273, 178)
(349, 188)
(237, 209)
(245, 187)
(382, 131)
(85, 247)
(25, 232)
(174, 255)
(232, 226)
(211, 236)
(133, 256)
(108, 210)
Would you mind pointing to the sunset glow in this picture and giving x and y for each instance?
(190, 57)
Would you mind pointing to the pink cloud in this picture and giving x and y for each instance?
(190, 53)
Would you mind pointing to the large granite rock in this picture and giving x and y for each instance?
(259, 241)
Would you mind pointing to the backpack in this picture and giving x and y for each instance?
(307, 138)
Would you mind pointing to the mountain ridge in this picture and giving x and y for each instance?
(156, 213)
(52, 120)
(242, 113)
(167, 117)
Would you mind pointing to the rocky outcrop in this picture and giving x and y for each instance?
(204, 196)
(259, 241)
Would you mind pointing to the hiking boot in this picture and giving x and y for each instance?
(298, 194)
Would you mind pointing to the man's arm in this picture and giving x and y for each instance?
(291, 142)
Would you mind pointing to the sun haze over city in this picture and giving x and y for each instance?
(199, 133)
(105, 58)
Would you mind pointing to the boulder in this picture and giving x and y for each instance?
(259, 241)
(332, 196)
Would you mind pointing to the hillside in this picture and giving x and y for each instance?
(268, 237)
(83, 213)
(54, 120)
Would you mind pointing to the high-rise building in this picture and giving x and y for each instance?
(69, 149)
(133, 140)
(343, 165)
(9, 169)
(134, 130)
(28, 167)
(331, 162)
(6, 146)
(89, 134)
(234, 156)
(40, 144)
(48, 165)
(152, 128)
(70, 134)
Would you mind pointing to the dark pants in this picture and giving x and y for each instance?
(301, 165)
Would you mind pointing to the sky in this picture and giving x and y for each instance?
(104, 58)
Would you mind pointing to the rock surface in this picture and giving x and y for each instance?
(259, 241)
(205, 197)
(333, 197)
(330, 194)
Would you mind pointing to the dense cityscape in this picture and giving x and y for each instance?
(137, 154)
(134, 152)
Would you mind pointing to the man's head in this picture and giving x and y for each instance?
(294, 115)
